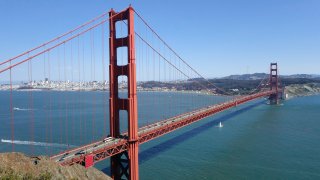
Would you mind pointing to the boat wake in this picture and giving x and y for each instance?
(37, 143)
(21, 109)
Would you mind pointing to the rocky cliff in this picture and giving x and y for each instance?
(18, 166)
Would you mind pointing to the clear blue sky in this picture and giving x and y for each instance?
(218, 38)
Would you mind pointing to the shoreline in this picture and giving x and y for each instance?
(291, 91)
(104, 90)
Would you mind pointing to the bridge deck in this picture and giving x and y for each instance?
(111, 146)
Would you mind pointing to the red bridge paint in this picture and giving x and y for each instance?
(88, 161)
(125, 164)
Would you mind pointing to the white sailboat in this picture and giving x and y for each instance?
(220, 125)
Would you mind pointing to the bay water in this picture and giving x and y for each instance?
(257, 141)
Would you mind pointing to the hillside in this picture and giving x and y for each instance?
(233, 84)
(18, 166)
(308, 89)
(256, 76)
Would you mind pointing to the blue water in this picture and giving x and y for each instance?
(258, 141)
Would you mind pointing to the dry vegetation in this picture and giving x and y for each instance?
(18, 166)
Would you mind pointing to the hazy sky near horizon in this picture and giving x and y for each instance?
(216, 37)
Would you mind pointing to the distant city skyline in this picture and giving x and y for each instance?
(217, 38)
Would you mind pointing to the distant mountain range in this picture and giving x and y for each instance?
(257, 76)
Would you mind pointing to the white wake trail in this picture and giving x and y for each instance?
(36, 143)
(22, 109)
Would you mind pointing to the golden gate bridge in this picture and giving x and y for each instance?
(76, 61)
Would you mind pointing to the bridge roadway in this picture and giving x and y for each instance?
(110, 146)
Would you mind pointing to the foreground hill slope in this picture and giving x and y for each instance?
(18, 166)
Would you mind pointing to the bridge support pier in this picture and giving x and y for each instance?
(123, 165)
(274, 84)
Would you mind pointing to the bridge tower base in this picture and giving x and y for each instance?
(123, 165)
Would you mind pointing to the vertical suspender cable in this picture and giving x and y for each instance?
(79, 92)
(31, 125)
(50, 100)
(72, 96)
(84, 81)
(104, 84)
(11, 111)
(65, 95)
(60, 96)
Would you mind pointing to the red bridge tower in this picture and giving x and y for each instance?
(123, 165)
(274, 84)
